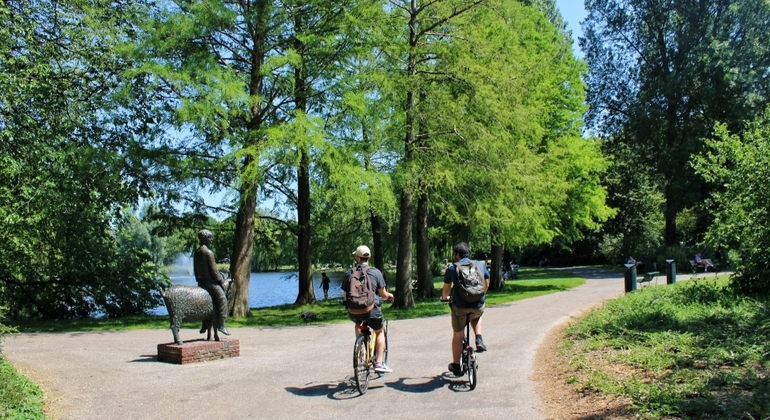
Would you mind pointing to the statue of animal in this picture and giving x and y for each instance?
(191, 304)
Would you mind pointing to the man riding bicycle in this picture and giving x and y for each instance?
(461, 307)
(374, 280)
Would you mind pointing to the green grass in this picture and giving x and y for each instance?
(19, 398)
(692, 350)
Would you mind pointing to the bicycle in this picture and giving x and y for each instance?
(364, 355)
(468, 362)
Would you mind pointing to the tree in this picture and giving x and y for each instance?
(661, 73)
(518, 171)
(740, 165)
(215, 79)
(65, 175)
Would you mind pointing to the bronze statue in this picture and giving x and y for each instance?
(191, 304)
(208, 277)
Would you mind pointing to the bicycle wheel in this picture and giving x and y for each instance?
(472, 368)
(361, 364)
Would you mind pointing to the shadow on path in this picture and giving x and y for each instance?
(418, 385)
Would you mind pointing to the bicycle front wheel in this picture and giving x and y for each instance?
(361, 364)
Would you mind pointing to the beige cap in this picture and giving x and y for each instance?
(362, 251)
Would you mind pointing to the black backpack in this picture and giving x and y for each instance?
(471, 281)
(360, 299)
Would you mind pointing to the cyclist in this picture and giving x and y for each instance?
(461, 254)
(373, 318)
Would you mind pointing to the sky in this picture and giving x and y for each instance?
(573, 12)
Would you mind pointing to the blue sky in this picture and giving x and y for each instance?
(573, 12)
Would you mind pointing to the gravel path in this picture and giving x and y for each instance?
(303, 372)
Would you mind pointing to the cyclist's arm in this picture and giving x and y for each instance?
(386, 295)
(445, 291)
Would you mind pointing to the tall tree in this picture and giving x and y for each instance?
(661, 73)
(214, 80)
(64, 173)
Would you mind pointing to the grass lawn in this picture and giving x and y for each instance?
(692, 350)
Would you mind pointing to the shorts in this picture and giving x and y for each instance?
(373, 319)
(458, 316)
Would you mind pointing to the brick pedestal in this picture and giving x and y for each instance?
(198, 351)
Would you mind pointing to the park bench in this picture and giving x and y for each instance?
(648, 277)
(695, 266)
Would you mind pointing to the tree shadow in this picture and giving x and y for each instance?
(418, 385)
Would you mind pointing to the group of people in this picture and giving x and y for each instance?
(459, 308)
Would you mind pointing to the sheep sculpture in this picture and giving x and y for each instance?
(191, 304)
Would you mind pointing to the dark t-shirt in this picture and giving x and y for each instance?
(376, 281)
(450, 277)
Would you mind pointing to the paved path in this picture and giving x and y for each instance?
(303, 372)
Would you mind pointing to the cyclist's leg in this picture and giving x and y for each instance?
(458, 329)
(376, 323)
(476, 324)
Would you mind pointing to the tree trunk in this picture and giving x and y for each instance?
(379, 253)
(306, 294)
(404, 299)
(424, 274)
(403, 296)
(496, 280)
(243, 244)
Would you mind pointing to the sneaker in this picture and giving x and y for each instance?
(455, 369)
(382, 368)
(480, 346)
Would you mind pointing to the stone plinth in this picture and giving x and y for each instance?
(198, 351)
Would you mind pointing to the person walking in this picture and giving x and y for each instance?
(325, 281)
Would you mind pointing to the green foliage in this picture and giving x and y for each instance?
(694, 349)
(661, 74)
(514, 168)
(19, 398)
(740, 166)
(64, 174)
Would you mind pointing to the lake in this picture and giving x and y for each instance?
(272, 288)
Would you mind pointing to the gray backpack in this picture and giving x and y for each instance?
(471, 280)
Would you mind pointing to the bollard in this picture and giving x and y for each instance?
(670, 272)
(630, 277)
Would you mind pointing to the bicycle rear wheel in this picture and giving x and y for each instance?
(361, 364)
(472, 368)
